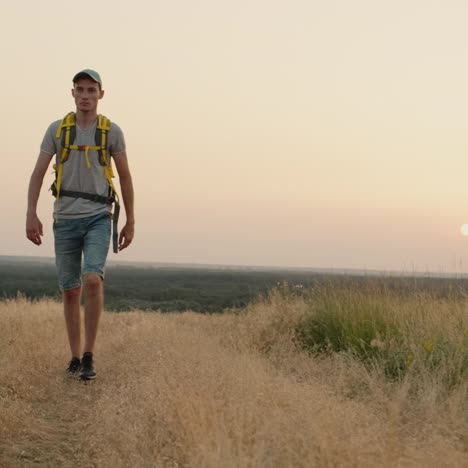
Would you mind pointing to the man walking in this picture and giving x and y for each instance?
(84, 143)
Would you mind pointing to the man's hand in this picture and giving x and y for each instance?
(126, 235)
(34, 229)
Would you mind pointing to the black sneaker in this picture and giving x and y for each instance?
(74, 366)
(87, 367)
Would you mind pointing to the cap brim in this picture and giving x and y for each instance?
(85, 74)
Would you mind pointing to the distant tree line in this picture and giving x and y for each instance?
(204, 289)
(165, 289)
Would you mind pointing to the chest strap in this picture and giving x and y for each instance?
(87, 196)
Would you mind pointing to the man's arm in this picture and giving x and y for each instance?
(33, 224)
(126, 184)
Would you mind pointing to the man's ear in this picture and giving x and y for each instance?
(101, 94)
(73, 92)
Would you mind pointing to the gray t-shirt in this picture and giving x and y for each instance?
(76, 175)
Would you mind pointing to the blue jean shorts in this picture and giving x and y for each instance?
(76, 238)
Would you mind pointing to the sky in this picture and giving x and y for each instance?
(259, 132)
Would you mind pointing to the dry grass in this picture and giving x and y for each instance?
(227, 390)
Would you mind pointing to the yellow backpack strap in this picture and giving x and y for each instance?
(103, 127)
(104, 122)
(68, 121)
(69, 125)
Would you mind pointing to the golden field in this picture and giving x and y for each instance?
(240, 389)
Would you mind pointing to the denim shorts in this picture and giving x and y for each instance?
(88, 237)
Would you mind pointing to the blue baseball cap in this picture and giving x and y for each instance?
(88, 73)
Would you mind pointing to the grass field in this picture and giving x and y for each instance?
(332, 377)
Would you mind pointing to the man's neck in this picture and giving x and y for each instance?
(85, 119)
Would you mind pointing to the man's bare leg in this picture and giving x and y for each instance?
(94, 304)
(71, 307)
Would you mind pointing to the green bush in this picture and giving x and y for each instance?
(358, 324)
(388, 332)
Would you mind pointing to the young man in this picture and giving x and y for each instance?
(82, 220)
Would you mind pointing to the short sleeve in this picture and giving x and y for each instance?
(116, 140)
(48, 143)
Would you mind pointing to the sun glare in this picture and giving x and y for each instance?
(464, 229)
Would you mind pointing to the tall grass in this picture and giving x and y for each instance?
(301, 379)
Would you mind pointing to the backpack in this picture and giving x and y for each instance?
(67, 132)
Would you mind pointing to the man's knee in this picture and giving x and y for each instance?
(93, 283)
(72, 295)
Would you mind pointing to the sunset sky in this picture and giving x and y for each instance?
(259, 132)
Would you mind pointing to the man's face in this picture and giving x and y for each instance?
(87, 94)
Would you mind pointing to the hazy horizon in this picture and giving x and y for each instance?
(307, 134)
(117, 263)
